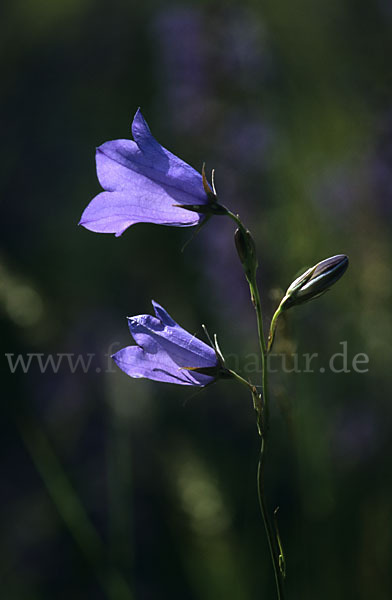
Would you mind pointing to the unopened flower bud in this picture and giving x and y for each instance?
(315, 281)
(246, 250)
(311, 284)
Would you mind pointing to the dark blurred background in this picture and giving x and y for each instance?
(121, 489)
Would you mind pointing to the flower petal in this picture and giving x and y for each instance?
(174, 170)
(137, 362)
(163, 315)
(118, 160)
(185, 349)
(114, 212)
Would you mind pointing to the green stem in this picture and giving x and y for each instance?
(237, 219)
(256, 397)
(263, 426)
(269, 530)
(242, 380)
(274, 322)
(254, 290)
(267, 523)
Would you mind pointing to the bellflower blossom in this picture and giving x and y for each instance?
(144, 183)
(166, 352)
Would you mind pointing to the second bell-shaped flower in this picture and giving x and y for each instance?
(166, 352)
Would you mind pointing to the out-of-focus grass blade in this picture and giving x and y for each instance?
(72, 511)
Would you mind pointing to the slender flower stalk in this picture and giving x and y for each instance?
(246, 251)
(312, 284)
(271, 536)
(272, 542)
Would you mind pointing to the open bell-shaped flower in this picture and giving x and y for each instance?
(166, 352)
(145, 183)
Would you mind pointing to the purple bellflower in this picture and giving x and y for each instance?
(145, 183)
(166, 352)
